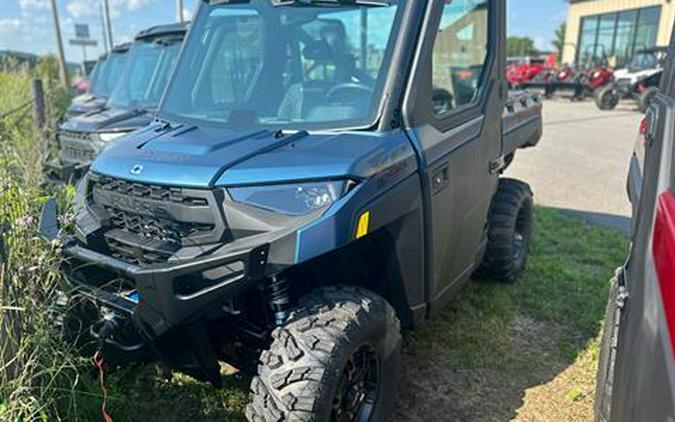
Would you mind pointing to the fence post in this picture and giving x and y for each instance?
(39, 109)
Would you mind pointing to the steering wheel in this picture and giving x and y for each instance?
(347, 92)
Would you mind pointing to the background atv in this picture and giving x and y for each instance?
(306, 195)
(639, 81)
(591, 73)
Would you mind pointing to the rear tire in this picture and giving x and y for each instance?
(509, 232)
(337, 355)
(606, 98)
(646, 98)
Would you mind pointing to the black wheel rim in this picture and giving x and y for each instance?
(608, 100)
(357, 387)
(521, 234)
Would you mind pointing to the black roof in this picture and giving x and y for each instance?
(163, 30)
(119, 48)
(653, 50)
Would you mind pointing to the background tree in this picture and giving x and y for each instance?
(520, 46)
(559, 41)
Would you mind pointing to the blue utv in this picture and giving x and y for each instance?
(132, 104)
(320, 173)
(103, 79)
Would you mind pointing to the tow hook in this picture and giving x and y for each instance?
(106, 330)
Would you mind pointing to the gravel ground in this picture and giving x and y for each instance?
(581, 164)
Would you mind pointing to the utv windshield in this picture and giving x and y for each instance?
(96, 71)
(146, 74)
(643, 61)
(298, 66)
(108, 75)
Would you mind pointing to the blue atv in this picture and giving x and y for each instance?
(319, 174)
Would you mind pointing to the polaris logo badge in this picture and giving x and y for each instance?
(137, 169)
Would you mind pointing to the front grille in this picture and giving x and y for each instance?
(146, 223)
(162, 229)
(154, 192)
(77, 147)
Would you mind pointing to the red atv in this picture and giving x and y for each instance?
(582, 80)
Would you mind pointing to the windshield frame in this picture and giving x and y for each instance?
(389, 76)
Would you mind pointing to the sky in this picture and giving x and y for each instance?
(26, 25)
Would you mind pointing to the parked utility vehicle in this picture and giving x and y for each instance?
(104, 78)
(636, 375)
(524, 69)
(639, 81)
(302, 193)
(132, 104)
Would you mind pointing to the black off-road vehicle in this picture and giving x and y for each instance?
(302, 194)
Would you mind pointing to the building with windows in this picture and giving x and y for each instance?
(615, 29)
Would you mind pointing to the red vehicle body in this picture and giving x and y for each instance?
(581, 80)
(599, 76)
(526, 70)
(81, 85)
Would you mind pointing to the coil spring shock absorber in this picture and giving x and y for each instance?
(279, 299)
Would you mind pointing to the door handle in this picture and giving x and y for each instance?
(440, 178)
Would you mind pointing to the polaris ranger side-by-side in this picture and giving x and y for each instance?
(104, 78)
(132, 104)
(302, 193)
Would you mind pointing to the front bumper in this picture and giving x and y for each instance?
(166, 316)
(164, 303)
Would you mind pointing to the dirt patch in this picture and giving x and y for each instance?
(529, 381)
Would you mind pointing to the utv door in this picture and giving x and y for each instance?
(453, 113)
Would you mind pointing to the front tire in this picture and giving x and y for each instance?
(606, 98)
(336, 359)
(509, 232)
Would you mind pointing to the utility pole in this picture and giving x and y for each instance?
(106, 12)
(179, 11)
(63, 70)
(103, 27)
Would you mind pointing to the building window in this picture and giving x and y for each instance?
(617, 35)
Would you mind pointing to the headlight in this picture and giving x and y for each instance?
(80, 200)
(295, 200)
(110, 136)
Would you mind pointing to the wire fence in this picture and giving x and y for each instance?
(39, 108)
(25, 105)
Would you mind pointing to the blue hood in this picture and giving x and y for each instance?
(86, 103)
(108, 120)
(192, 156)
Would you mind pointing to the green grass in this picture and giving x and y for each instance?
(497, 352)
(528, 333)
